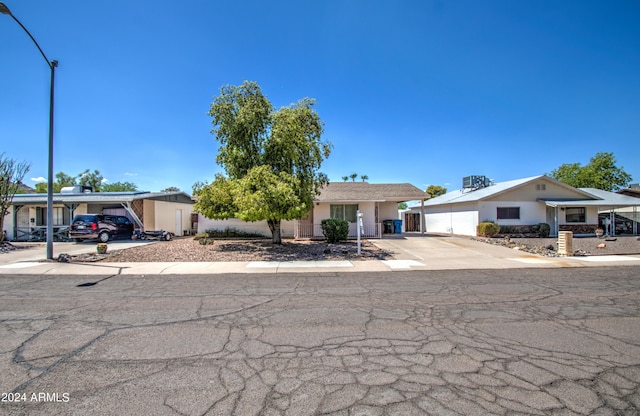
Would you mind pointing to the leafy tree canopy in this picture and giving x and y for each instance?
(271, 158)
(86, 178)
(171, 189)
(601, 172)
(436, 190)
(118, 187)
(11, 175)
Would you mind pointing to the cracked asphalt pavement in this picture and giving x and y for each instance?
(477, 342)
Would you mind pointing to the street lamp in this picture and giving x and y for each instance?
(52, 65)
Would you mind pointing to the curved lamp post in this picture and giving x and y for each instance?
(52, 65)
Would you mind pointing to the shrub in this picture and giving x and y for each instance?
(488, 228)
(543, 229)
(227, 233)
(335, 229)
(507, 229)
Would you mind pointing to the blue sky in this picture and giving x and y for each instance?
(419, 91)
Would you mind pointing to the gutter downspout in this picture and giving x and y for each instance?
(423, 224)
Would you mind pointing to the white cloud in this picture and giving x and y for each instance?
(104, 180)
(130, 174)
(39, 179)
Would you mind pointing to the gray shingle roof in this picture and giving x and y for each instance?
(364, 191)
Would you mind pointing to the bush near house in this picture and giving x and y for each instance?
(227, 233)
(487, 229)
(335, 229)
(542, 229)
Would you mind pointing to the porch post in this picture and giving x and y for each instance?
(612, 221)
(422, 221)
(16, 208)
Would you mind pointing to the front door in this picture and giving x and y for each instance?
(179, 222)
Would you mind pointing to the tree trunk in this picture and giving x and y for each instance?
(274, 226)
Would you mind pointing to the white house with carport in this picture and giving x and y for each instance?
(522, 203)
(168, 211)
(376, 202)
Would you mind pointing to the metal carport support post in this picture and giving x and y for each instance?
(127, 206)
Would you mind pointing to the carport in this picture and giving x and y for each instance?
(608, 203)
(170, 211)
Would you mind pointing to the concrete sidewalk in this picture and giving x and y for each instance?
(411, 252)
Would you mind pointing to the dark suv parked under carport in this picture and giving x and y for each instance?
(102, 227)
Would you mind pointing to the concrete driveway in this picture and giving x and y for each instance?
(451, 252)
(38, 251)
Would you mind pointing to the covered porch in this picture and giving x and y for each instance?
(377, 204)
(27, 219)
(613, 213)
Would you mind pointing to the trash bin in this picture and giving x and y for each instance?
(397, 226)
(387, 226)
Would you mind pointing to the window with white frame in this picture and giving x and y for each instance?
(575, 214)
(344, 211)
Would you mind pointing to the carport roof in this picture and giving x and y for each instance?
(600, 199)
(369, 192)
(101, 197)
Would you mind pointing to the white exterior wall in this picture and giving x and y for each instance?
(322, 211)
(388, 211)
(256, 227)
(530, 212)
(452, 219)
(591, 215)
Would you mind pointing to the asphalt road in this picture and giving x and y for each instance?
(526, 341)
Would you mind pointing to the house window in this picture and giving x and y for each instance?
(508, 213)
(575, 214)
(60, 216)
(541, 187)
(344, 211)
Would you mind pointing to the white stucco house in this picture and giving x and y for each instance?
(525, 202)
(168, 211)
(376, 202)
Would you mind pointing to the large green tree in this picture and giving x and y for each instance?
(601, 172)
(436, 190)
(11, 175)
(87, 178)
(271, 159)
(118, 187)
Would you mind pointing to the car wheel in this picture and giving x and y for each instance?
(103, 237)
(167, 237)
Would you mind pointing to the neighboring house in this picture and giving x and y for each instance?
(524, 202)
(376, 202)
(169, 211)
(632, 190)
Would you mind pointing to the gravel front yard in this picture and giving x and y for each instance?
(189, 250)
(586, 246)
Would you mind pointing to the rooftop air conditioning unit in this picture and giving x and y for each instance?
(475, 182)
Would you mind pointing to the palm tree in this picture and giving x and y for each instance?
(364, 178)
(353, 177)
(345, 178)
